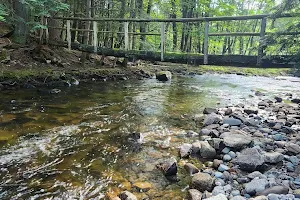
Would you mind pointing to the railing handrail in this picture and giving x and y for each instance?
(220, 18)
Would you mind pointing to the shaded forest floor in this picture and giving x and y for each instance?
(34, 66)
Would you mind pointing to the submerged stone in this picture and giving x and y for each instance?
(164, 76)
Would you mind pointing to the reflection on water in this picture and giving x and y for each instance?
(76, 144)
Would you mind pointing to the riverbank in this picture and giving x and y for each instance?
(29, 68)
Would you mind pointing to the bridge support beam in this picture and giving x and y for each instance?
(69, 34)
(205, 60)
(261, 47)
(162, 41)
(95, 36)
(126, 37)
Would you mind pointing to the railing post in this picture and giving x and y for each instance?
(69, 34)
(162, 41)
(260, 52)
(95, 36)
(205, 61)
(126, 37)
(47, 30)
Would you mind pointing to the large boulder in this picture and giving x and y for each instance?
(164, 76)
(185, 150)
(202, 182)
(168, 167)
(236, 139)
(292, 148)
(250, 159)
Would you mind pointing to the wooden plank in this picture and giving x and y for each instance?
(205, 60)
(95, 36)
(222, 18)
(69, 34)
(260, 52)
(162, 41)
(126, 37)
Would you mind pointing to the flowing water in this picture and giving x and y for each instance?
(80, 144)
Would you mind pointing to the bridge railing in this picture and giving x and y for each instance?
(95, 24)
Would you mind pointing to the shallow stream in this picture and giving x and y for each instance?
(80, 144)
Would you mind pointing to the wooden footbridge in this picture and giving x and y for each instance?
(70, 32)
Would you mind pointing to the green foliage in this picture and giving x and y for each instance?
(45, 7)
(3, 12)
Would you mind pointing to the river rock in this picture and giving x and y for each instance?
(209, 110)
(236, 139)
(238, 198)
(232, 121)
(211, 119)
(190, 168)
(127, 196)
(223, 168)
(295, 101)
(164, 76)
(218, 190)
(202, 182)
(292, 148)
(169, 167)
(255, 186)
(207, 151)
(185, 150)
(251, 111)
(279, 189)
(273, 157)
(142, 186)
(194, 194)
(217, 197)
(250, 159)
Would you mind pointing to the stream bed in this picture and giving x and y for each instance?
(82, 142)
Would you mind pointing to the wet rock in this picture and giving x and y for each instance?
(228, 111)
(207, 151)
(191, 134)
(169, 167)
(260, 198)
(218, 175)
(185, 150)
(250, 159)
(194, 194)
(295, 101)
(217, 197)
(191, 169)
(251, 111)
(273, 157)
(255, 186)
(236, 139)
(212, 119)
(279, 189)
(232, 121)
(292, 148)
(202, 182)
(209, 110)
(127, 196)
(263, 104)
(278, 99)
(164, 76)
(259, 93)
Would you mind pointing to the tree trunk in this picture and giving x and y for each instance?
(87, 23)
(21, 30)
(173, 15)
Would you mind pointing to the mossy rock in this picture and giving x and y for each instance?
(164, 76)
(5, 29)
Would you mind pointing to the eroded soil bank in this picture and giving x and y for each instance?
(24, 67)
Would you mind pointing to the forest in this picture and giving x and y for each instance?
(30, 17)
